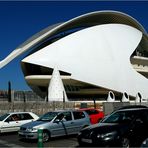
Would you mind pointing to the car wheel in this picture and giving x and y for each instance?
(46, 136)
(125, 143)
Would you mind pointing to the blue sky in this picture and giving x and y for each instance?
(20, 20)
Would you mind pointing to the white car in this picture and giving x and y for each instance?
(11, 122)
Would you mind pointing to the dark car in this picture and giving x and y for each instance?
(123, 128)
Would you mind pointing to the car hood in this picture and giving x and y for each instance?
(34, 123)
(107, 127)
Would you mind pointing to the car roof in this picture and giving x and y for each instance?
(133, 107)
(18, 112)
(64, 110)
(87, 109)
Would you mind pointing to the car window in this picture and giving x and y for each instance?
(25, 116)
(120, 117)
(13, 117)
(67, 116)
(92, 112)
(142, 116)
(48, 116)
(78, 115)
(3, 117)
(64, 116)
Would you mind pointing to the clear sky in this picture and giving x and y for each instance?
(20, 20)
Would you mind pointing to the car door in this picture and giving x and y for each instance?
(61, 126)
(11, 124)
(78, 121)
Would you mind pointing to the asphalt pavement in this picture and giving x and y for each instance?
(12, 140)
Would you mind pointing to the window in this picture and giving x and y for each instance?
(121, 117)
(14, 117)
(78, 115)
(67, 116)
(25, 116)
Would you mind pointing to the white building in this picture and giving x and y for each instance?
(95, 53)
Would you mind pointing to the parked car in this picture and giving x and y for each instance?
(123, 128)
(11, 122)
(95, 115)
(56, 123)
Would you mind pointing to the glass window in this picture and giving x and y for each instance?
(3, 117)
(78, 115)
(48, 116)
(14, 117)
(64, 116)
(120, 117)
(25, 116)
(67, 116)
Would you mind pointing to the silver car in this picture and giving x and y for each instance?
(56, 123)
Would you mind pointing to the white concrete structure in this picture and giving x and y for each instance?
(125, 97)
(94, 54)
(56, 88)
(138, 98)
(111, 97)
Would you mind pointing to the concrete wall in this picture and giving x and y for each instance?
(40, 107)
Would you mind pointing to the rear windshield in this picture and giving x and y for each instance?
(48, 116)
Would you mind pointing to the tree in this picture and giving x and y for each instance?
(9, 92)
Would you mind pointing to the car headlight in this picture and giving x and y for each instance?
(31, 129)
(107, 136)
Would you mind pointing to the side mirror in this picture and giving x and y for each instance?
(56, 120)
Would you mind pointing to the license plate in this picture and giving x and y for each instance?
(86, 140)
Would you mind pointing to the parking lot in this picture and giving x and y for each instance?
(12, 140)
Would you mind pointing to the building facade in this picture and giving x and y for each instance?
(95, 53)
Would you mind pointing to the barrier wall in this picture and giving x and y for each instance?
(41, 107)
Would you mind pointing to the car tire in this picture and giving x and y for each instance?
(125, 142)
(46, 136)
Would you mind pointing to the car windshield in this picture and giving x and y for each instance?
(4, 117)
(48, 116)
(120, 117)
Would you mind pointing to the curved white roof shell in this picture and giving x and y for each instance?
(98, 54)
(93, 18)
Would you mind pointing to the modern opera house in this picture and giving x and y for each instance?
(96, 53)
